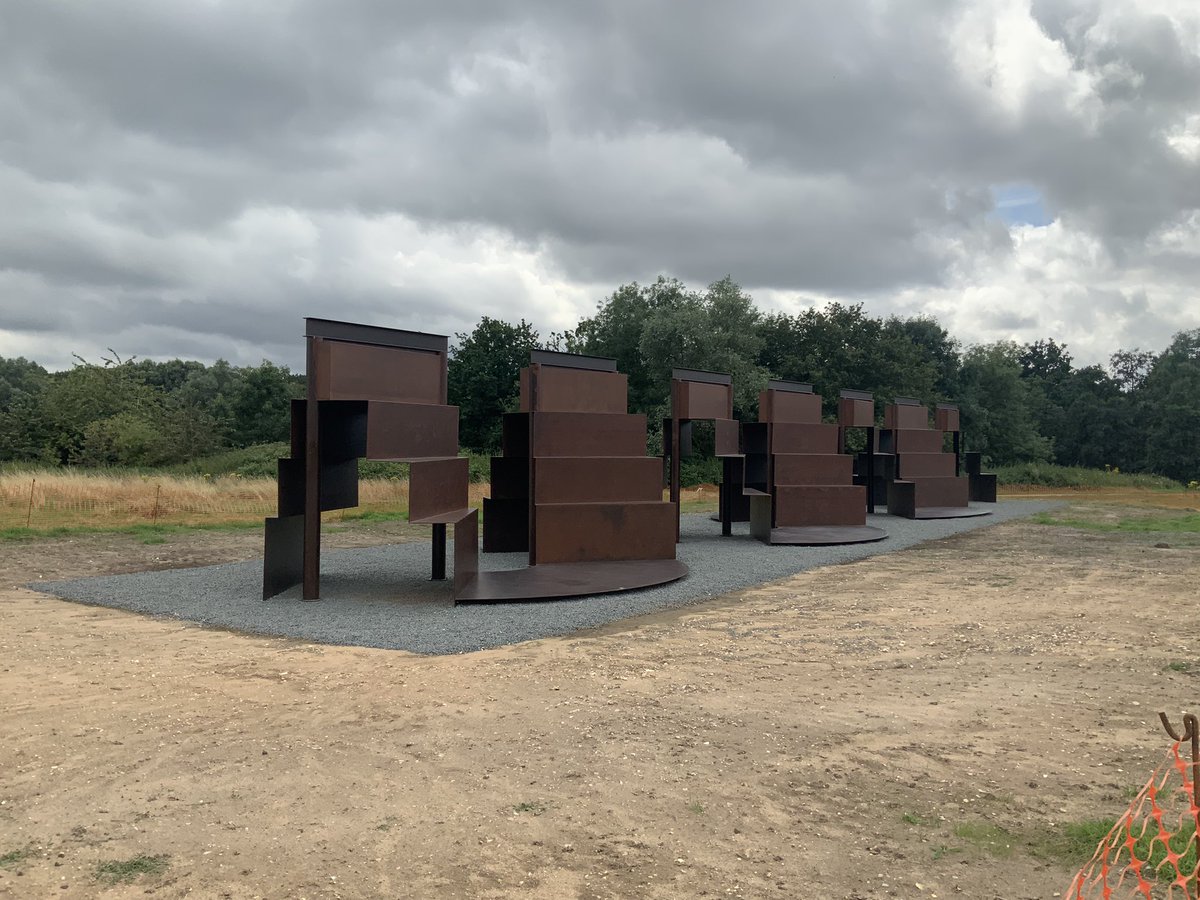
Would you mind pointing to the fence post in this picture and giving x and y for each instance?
(29, 512)
(157, 491)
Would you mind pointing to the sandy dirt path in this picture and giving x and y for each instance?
(827, 736)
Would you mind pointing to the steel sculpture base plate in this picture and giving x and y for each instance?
(551, 581)
(949, 512)
(815, 535)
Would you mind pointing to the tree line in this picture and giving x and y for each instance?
(1019, 402)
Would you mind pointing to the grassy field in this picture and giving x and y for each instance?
(37, 502)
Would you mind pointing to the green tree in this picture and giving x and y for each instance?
(1172, 409)
(260, 404)
(996, 412)
(483, 378)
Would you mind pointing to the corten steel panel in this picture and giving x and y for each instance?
(577, 390)
(791, 437)
(466, 551)
(902, 499)
(698, 400)
(572, 360)
(913, 440)
(437, 486)
(548, 582)
(936, 464)
(840, 504)
(590, 532)
(514, 434)
(289, 483)
(595, 479)
(283, 559)
(761, 509)
(298, 410)
(813, 468)
(505, 526)
(983, 487)
(818, 535)
(885, 466)
(343, 429)
(941, 491)
(854, 413)
(402, 431)
(524, 382)
(589, 434)
(362, 372)
(789, 406)
(903, 415)
(510, 478)
(375, 334)
(946, 418)
(728, 437)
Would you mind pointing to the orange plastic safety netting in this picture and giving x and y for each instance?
(1151, 851)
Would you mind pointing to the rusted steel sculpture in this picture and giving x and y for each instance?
(698, 395)
(378, 393)
(982, 484)
(575, 489)
(926, 484)
(800, 484)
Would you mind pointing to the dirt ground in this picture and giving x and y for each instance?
(919, 724)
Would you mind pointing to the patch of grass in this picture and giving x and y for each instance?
(989, 838)
(696, 807)
(1076, 842)
(914, 819)
(1049, 475)
(118, 871)
(1178, 666)
(12, 857)
(386, 824)
(942, 851)
(150, 534)
(534, 808)
(1185, 524)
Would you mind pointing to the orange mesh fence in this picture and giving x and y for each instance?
(1151, 851)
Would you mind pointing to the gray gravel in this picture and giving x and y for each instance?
(381, 596)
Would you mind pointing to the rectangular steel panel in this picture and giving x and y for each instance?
(510, 478)
(941, 491)
(437, 486)
(916, 440)
(701, 375)
(911, 465)
(514, 435)
(820, 505)
(946, 418)
(728, 437)
(283, 554)
(466, 550)
(593, 479)
(588, 434)
(559, 359)
(505, 526)
(375, 334)
(589, 532)
(411, 431)
(578, 390)
(697, 400)
(856, 413)
(789, 406)
(790, 437)
(813, 468)
(347, 371)
(343, 429)
(904, 415)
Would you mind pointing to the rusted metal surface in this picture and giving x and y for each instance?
(811, 468)
(557, 580)
(946, 417)
(588, 434)
(597, 479)
(911, 440)
(466, 552)
(789, 406)
(283, 559)
(821, 535)
(793, 437)
(588, 532)
(905, 412)
(982, 484)
(856, 409)
(701, 395)
(437, 486)
(575, 390)
(701, 400)
(404, 431)
(361, 372)
(505, 525)
(926, 464)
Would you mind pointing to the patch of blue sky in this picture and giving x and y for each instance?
(1020, 204)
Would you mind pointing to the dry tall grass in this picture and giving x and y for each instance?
(55, 498)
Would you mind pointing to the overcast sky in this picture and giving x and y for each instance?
(192, 177)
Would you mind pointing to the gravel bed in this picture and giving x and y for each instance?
(381, 596)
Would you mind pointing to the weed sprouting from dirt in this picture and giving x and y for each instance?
(12, 857)
(533, 808)
(991, 839)
(118, 871)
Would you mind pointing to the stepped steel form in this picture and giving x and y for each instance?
(699, 395)
(800, 483)
(378, 393)
(575, 490)
(925, 483)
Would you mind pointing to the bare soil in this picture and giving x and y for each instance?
(919, 724)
